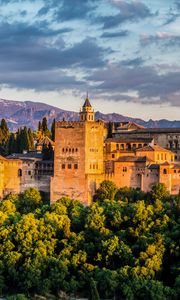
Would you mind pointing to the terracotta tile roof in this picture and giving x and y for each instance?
(153, 148)
(133, 159)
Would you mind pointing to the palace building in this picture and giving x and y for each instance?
(133, 156)
(78, 157)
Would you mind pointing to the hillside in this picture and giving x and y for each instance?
(28, 113)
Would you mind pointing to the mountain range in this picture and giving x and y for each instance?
(29, 113)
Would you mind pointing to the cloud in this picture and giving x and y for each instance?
(34, 55)
(37, 47)
(168, 39)
(68, 10)
(128, 12)
(144, 81)
(48, 80)
(121, 33)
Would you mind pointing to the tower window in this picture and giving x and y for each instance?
(76, 149)
(76, 166)
(164, 171)
(63, 166)
(69, 166)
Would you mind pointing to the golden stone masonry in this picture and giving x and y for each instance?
(84, 156)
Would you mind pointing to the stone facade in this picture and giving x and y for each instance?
(10, 176)
(84, 157)
(78, 157)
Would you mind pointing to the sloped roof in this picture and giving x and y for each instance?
(46, 140)
(133, 159)
(153, 148)
(87, 103)
(129, 125)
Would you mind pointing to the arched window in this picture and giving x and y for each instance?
(19, 172)
(164, 171)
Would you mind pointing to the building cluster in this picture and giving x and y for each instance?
(84, 156)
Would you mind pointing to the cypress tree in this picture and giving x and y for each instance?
(12, 144)
(53, 130)
(39, 126)
(31, 139)
(44, 125)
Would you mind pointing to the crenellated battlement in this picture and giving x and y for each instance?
(69, 124)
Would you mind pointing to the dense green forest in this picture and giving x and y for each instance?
(124, 246)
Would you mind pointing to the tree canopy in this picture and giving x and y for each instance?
(117, 248)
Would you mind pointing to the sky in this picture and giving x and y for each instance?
(125, 54)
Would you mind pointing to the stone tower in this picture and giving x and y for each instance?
(78, 158)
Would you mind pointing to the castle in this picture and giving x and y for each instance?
(84, 156)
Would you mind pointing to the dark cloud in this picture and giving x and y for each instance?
(67, 10)
(49, 80)
(145, 81)
(121, 33)
(31, 52)
(128, 11)
(37, 47)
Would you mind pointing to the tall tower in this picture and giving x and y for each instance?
(78, 158)
(87, 113)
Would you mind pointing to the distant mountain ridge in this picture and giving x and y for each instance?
(29, 113)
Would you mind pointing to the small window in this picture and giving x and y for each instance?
(62, 149)
(29, 172)
(113, 155)
(164, 171)
(63, 166)
(19, 172)
(76, 149)
(69, 166)
(75, 166)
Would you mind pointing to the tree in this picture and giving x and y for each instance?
(107, 190)
(53, 130)
(31, 139)
(44, 125)
(110, 130)
(39, 126)
(159, 192)
(30, 200)
(93, 290)
(12, 144)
